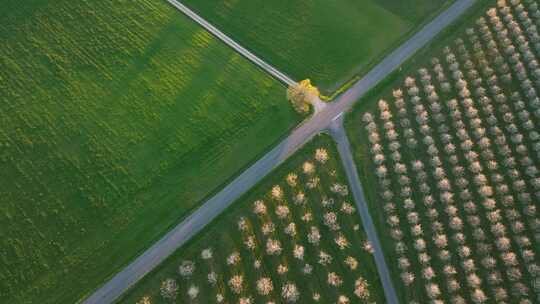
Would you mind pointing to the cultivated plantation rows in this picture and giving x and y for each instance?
(296, 239)
(456, 154)
(119, 119)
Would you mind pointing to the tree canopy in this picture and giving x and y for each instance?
(301, 95)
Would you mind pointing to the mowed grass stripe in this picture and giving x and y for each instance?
(118, 118)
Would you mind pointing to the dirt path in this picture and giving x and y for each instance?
(230, 42)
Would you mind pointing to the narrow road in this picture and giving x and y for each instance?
(185, 230)
(344, 148)
(230, 42)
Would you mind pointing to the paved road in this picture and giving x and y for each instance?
(344, 148)
(244, 52)
(320, 121)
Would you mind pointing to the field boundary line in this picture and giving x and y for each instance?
(233, 44)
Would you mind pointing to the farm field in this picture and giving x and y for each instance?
(328, 42)
(294, 238)
(449, 155)
(117, 119)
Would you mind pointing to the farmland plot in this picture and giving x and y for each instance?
(454, 156)
(295, 238)
(116, 119)
(326, 41)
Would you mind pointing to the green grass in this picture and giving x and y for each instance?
(366, 168)
(224, 237)
(117, 119)
(326, 41)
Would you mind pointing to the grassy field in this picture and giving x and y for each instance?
(117, 118)
(511, 212)
(232, 232)
(326, 41)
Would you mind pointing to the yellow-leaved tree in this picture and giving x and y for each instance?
(301, 95)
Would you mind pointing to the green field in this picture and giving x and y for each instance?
(117, 118)
(225, 236)
(326, 41)
(505, 179)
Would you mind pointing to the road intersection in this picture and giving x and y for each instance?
(327, 118)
